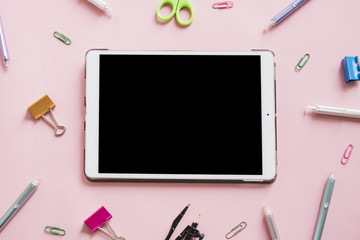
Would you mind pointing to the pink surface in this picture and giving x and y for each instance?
(309, 146)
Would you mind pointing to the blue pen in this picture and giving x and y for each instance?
(285, 13)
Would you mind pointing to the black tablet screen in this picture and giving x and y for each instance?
(180, 114)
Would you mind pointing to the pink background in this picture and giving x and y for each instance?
(309, 146)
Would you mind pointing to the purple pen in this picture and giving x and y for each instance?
(285, 13)
(4, 52)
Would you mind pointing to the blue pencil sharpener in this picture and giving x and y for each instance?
(351, 68)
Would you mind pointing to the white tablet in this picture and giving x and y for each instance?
(180, 116)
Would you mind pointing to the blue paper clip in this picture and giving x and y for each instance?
(351, 69)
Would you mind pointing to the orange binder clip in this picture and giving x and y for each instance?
(42, 106)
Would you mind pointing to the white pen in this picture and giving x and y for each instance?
(28, 192)
(343, 112)
(271, 224)
(3, 47)
(324, 207)
(102, 5)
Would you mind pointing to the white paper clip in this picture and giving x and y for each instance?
(238, 227)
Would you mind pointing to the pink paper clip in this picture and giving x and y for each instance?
(347, 153)
(99, 218)
(221, 5)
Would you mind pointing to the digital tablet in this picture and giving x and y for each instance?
(180, 116)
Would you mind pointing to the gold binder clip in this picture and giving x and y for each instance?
(42, 106)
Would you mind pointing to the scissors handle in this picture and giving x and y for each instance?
(184, 4)
(173, 4)
(177, 6)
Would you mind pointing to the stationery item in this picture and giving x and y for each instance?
(177, 6)
(176, 222)
(99, 218)
(347, 153)
(269, 217)
(28, 192)
(351, 69)
(3, 47)
(285, 13)
(42, 106)
(174, 142)
(55, 230)
(324, 207)
(222, 5)
(238, 227)
(102, 5)
(343, 112)
(62, 38)
(191, 232)
(302, 62)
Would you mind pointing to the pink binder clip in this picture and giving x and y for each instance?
(99, 218)
(347, 153)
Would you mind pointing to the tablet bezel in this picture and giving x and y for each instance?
(91, 128)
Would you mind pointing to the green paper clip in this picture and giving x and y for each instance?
(62, 38)
(302, 62)
(55, 230)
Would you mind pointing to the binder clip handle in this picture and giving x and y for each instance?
(112, 230)
(55, 124)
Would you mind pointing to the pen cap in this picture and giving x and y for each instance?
(101, 5)
(97, 219)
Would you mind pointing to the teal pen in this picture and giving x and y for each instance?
(324, 207)
(28, 192)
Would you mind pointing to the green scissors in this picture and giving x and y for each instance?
(176, 5)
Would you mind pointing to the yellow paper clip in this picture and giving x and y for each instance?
(42, 106)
